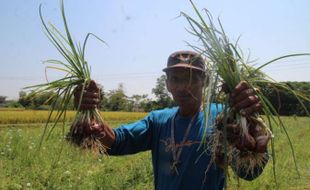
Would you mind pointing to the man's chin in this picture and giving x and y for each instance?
(186, 102)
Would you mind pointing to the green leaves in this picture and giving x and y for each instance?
(75, 68)
(226, 64)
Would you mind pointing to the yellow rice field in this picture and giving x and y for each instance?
(35, 116)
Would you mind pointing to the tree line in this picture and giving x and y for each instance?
(117, 100)
(286, 103)
(112, 100)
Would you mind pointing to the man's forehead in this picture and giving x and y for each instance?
(184, 72)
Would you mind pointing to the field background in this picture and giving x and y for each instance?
(59, 165)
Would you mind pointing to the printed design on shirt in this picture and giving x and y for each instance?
(169, 145)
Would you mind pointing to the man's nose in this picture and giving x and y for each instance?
(183, 86)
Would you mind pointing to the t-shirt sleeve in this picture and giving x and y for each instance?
(216, 109)
(133, 138)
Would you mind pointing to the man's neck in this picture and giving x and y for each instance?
(189, 111)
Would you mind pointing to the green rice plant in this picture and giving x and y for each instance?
(76, 74)
(227, 65)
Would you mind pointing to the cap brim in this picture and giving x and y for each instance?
(183, 65)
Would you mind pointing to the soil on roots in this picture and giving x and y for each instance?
(81, 135)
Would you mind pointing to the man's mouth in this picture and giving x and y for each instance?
(184, 96)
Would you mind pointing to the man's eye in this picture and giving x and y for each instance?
(174, 80)
(195, 79)
(185, 80)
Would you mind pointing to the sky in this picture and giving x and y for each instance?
(142, 34)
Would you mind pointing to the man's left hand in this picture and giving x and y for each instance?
(244, 99)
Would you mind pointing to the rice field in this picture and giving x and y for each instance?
(34, 116)
(22, 166)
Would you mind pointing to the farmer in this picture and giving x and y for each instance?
(174, 135)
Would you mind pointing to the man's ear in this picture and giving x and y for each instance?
(167, 85)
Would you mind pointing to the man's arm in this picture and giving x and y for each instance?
(133, 138)
(127, 139)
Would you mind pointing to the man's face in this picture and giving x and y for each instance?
(185, 85)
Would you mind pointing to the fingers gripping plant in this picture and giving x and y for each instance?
(226, 65)
(76, 74)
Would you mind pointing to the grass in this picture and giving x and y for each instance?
(22, 167)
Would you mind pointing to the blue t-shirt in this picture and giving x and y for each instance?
(154, 133)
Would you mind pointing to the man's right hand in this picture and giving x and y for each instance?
(103, 133)
(90, 98)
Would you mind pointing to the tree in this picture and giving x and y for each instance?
(104, 101)
(44, 98)
(161, 93)
(117, 100)
(2, 99)
(24, 99)
(285, 102)
(37, 101)
(139, 102)
(12, 104)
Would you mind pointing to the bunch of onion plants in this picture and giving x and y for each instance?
(227, 65)
(76, 75)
